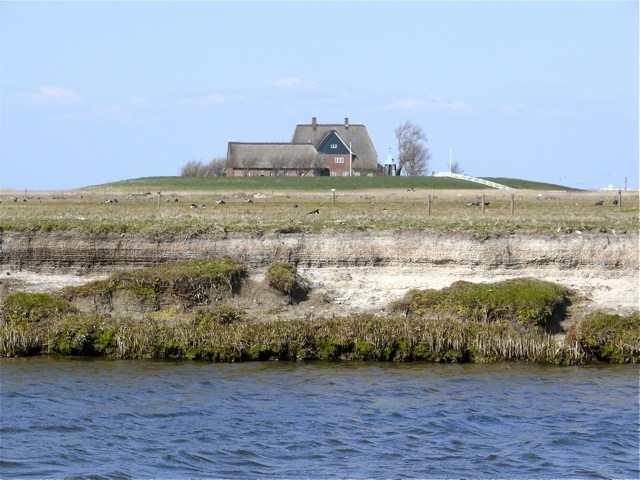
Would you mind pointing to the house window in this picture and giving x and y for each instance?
(334, 146)
(339, 159)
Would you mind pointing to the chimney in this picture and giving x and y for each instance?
(346, 122)
(314, 122)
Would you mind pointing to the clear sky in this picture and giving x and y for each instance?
(93, 92)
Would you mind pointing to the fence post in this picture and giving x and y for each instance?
(619, 198)
(333, 193)
(159, 196)
(513, 204)
(482, 204)
(429, 205)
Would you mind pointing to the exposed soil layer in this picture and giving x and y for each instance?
(71, 252)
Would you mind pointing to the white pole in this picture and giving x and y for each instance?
(450, 162)
(350, 160)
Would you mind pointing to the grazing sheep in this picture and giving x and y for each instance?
(220, 202)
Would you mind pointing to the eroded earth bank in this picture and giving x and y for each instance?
(567, 298)
(359, 271)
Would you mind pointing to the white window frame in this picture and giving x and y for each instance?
(339, 160)
(333, 146)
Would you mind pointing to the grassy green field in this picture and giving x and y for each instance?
(529, 184)
(198, 212)
(311, 184)
(284, 183)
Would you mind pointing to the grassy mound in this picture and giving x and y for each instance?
(284, 278)
(610, 337)
(529, 184)
(154, 184)
(186, 283)
(24, 307)
(526, 302)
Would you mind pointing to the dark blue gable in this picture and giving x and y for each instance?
(333, 145)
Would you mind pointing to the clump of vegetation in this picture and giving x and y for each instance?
(214, 168)
(218, 314)
(358, 337)
(81, 334)
(284, 278)
(27, 307)
(188, 283)
(610, 337)
(527, 302)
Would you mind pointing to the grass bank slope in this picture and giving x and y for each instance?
(314, 183)
(284, 183)
(529, 184)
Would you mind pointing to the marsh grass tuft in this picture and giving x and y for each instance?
(359, 337)
(28, 307)
(525, 301)
(610, 337)
(284, 278)
(188, 283)
(218, 314)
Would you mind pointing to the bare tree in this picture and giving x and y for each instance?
(308, 164)
(279, 165)
(191, 169)
(194, 168)
(456, 168)
(413, 153)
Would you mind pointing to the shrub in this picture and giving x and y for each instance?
(188, 282)
(218, 314)
(525, 301)
(26, 307)
(610, 337)
(284, 278)
(214, 168)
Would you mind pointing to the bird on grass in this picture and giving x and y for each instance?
(314, 212)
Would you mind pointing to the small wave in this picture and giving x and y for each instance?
(58, 428)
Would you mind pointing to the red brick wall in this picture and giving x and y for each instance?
(338, 169)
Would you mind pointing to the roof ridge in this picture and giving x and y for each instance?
(270, 143)
(331, 125)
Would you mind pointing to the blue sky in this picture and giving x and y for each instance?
(93, 92)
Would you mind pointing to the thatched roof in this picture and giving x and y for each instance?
(357, 134)
(271, 155)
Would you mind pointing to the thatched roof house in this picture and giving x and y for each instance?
(316, 149)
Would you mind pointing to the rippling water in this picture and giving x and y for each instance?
(121, 419)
